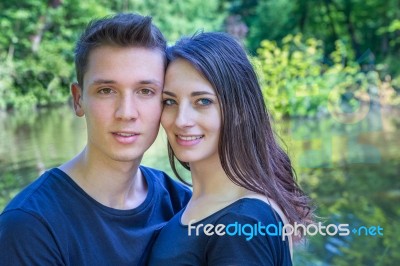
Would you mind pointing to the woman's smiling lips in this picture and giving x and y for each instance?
(125, 137)
(188, 140)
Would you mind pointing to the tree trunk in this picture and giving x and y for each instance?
(350, 27)
(43, 25)
(331, 20)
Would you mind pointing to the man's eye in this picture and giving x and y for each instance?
(168, 102)
(105, 91)
(204, 102)
(146, 91)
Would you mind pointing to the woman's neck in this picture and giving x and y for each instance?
(212, 191)
(210, 180)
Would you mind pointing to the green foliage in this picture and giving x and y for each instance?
(297, 80)
(272, 21)
(38, 38)
(362, 25)
(303, 76)
(177, 18)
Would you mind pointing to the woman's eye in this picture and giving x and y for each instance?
(168, 102)
(204, 102)
(105, 91)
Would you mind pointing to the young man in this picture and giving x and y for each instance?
(102, 207)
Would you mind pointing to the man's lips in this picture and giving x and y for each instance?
(125, 134)
(126, 137)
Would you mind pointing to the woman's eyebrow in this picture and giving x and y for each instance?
(169, 93)
(198, 93)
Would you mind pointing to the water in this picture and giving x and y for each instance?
(350, 170)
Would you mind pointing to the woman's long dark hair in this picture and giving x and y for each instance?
(248, 150)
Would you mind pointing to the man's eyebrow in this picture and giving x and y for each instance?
(110, 81)
(104, 81)
(193, 94)
(150, 81)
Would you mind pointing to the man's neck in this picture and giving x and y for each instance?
(118, 185)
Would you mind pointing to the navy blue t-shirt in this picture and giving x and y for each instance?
(54, 222)
(236, 236)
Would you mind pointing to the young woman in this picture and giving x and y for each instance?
(244, 189)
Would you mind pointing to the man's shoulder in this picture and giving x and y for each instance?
(15, 220)
(25, 212)
(40, 193)
(161, 178)
(163, 184)
(24, 196)
(22, 232)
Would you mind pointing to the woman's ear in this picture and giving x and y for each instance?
(76, 92)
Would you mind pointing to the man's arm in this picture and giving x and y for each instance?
(26, 240)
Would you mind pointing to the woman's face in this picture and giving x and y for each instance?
(191, 116)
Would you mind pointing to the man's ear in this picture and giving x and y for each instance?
(76, 92)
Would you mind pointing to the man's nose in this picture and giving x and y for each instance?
(127, 108)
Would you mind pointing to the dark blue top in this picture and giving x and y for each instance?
(54, 222)
(241, 245)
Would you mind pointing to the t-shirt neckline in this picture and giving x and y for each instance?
(149, 197)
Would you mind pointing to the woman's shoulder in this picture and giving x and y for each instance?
(252, 233)
(249, 209)
(262, 202)
(266, 202)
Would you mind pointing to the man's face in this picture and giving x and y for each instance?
(121, 101)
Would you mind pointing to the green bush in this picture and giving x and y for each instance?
(38, 38)
(297, 80)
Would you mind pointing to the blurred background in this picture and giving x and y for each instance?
(330, 75)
